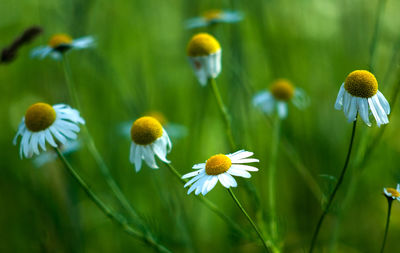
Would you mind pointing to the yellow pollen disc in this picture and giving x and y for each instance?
(158, 116)
(59, 39)
(202, 44)
(361, 83)
(394, 192)
(146, 130)
(212, 14)
(282, 89)
(218, 164)
(39, 117)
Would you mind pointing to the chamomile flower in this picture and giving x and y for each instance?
(60, 44)
(149, 138)
(211, 17)
(359, 94)
(392, 193)
(220, 168)
(43, 124)
(204, 53)
(277, 97)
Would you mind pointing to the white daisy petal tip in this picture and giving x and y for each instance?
(149, 140)
(43, 124)
(359, 94)
(219, 168)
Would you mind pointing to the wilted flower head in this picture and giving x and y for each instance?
(277, 97)
(211, 17)
(358, 94)
(220, 168)
(60, 44)
(43, 124)
(204, 53)
(149, 138)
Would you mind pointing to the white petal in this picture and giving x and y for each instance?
(191, 181)
(149, 157)
(363, 110)
(239, 172)
(192, 174)
(231, 180)
(248, 160)
(138, 158)
(282, 109)
(224, 180)
(384, 102)
(339, 99)
(351, 116)
(244, 167)
(240, 155)
(199, 166)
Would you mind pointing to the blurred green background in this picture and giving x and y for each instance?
(140, 65)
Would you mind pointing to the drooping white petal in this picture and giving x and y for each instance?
(138, 157)
(265, 101)
(383, 102)
(149, 157)
(339, 99)
(352, 113)
(363, 110)
(282, 109)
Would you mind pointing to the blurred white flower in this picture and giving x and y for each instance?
(204, 53)
(358, 94)
(275, 100)
(220, 168)
(61, 43)
(149, 138)
(42, 122)
(392, 193)
(213, 17)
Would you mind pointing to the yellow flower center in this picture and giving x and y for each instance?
(39, 117)
(146, 130)
(158, 116)
(361, 83)
(202, 44)
(60, 40)
(282, 89)
(212, 14)
(394, 192)
(218, 164)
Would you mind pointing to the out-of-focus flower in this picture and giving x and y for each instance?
(392, 193)
(60, 44)
(43, 124)
(358, 94)
(204, 53)
(220, 168)
(149, 138)
(277, 97)
(211, 17)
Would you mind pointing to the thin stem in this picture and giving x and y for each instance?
(96, 154)
(332, 196)
(250, 220)
(272, 176)
(390, 201)
(372, 49)
(224, 113)
(106, 210)
(210, 205)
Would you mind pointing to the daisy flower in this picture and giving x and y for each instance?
(275, 100)
(149, 138)
(45, 123)
(359, 94)
(220, 168)
(212, 17)
(392, 193)
(61, 43)
(204, 53)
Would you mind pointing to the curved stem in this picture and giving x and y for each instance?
(106, 210)
(332, 196)
(250, 220)
(390, 201)
(210, 205)
(272, 176)
(96, 154)
(224, 113)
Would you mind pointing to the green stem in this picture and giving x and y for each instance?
(210, 205)
(250, 220)
(372, 49)
(272, 176)
(390, 201)
(106, 210)
(96, 154)
(332, 196)
(224, 112)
